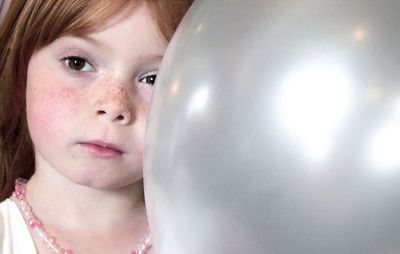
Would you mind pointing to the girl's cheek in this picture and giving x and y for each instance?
(145, 94)
(50, 109)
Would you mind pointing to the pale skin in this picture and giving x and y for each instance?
(87, 125)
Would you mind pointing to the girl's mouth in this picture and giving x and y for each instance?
(101, 149)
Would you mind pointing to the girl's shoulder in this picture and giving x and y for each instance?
(6, 207)
(2, 204)
(14, 234)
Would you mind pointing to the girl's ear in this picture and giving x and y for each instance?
(3, 8)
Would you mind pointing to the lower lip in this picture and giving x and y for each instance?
(101, 151)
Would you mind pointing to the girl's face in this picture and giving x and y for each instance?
(88, 98)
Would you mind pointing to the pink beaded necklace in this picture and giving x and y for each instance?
(35, 225)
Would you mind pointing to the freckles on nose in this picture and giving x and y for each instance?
(114, 94)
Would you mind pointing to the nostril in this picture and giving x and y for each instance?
(120, 117)
(114, 116)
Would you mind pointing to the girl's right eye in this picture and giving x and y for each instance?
(76, 63)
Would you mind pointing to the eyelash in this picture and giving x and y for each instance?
(151, 75)
(68, 60)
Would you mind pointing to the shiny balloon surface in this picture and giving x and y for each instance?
(275, 128)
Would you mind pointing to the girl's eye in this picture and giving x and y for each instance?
(77, 63)
(148, 79)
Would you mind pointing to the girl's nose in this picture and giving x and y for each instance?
(115, 107)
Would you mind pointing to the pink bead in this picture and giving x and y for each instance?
(134, 252)
(33, 223)
(19, 192)
(50, 240)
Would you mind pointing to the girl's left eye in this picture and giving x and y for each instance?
(148, 79)
(77, 63)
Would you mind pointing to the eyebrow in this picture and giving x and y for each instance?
(94, 41)
(105, 46)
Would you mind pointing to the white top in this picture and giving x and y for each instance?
(14, 234)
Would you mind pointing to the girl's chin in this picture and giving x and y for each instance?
(105, 183)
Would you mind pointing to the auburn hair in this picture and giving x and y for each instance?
(30, 25)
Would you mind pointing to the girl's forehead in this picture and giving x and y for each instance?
(132, 34)
(123, 27)
(98, 16)
(133, 25)
(138, 9)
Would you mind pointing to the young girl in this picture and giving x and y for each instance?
(76, 81)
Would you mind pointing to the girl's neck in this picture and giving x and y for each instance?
(87, 224)
(81, 206)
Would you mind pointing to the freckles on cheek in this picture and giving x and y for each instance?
(49, 111)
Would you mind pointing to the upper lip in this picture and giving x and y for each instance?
(103, 144)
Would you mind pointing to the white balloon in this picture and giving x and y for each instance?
(274, 129)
